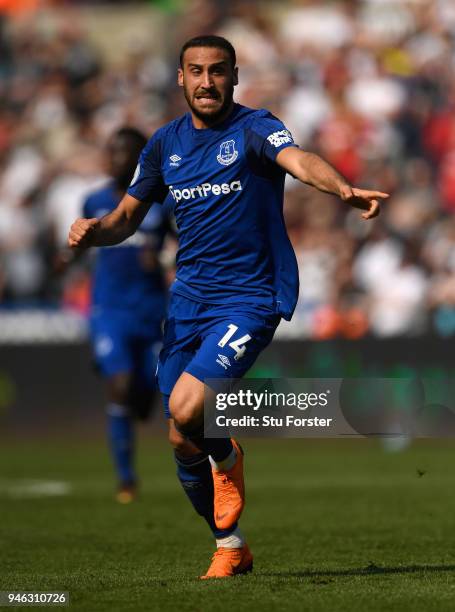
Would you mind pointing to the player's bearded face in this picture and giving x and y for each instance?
(208, 81)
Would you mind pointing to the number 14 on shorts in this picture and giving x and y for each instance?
(238, 345)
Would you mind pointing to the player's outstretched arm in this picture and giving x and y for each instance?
(111, 229)
(313, 170)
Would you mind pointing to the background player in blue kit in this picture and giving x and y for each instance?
(128, 307)
(224, 165)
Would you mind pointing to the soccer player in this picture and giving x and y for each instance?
(128, 306)
(224, 165)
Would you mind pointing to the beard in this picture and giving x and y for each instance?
(211, 116)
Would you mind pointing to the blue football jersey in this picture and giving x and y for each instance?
(127, 276)
(228, 204)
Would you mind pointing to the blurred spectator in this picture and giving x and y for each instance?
(396, 287)
(22, 253)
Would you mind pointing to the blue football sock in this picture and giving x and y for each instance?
(195, 475)
(121, 441)
(218, 448)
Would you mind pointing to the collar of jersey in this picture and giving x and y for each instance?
(203, 133)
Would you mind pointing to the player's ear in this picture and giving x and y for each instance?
(180, 77)
(236, 76)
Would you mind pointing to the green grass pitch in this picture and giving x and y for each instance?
(333, 525)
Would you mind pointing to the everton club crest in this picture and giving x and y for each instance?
(228, 153)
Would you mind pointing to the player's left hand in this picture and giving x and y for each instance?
(363, 199)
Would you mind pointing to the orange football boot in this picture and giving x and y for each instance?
(228, 562)
(229, 492)
(126, 494)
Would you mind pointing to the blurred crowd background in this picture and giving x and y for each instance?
(367, 84)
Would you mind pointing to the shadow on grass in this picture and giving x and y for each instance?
(369, 570)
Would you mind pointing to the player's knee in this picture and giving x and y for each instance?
(186, 404)
(118, 388)
(185, 411)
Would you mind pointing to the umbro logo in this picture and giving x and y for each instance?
(223, 361)
(175, 159)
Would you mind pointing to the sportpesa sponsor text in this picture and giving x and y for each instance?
(204, 190)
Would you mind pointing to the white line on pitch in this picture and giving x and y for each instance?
(26, 488)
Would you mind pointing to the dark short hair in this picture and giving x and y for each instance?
(133, 135)
(210, 40)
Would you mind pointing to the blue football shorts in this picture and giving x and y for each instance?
(211, 341)
(125, 342)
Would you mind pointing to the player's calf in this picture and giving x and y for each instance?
(187, 406)
(194, 472)
(120, 432)
(121, 435)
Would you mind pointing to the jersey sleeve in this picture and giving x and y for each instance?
(147, 184)
(265, 138)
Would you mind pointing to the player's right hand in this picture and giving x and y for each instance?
(82, 233)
